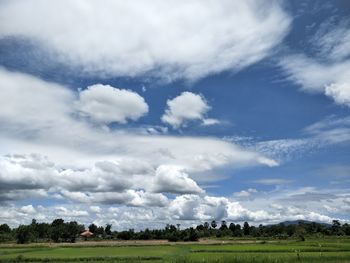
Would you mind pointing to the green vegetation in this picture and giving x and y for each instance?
(60, 231)
(289, 242)
(331, 249)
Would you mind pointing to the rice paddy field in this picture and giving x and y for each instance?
(318, 250)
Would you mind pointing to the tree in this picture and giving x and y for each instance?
(232, 227)
(5, 233)
(346, 229)
(300, 232)
(43, 230)
(206, 225)
(57, 222)
(72, 230)
(93, 228)
(223, 225)
(108, 229)
(192, 235)
(246, 229)
(100, 231)
(213, 224)
(4, 228)
(200, 227)
(57, 229)
(261, 230)
(24, 234)
(336, 227)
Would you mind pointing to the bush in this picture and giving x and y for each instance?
(173, 237)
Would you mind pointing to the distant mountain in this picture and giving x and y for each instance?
(297, 222)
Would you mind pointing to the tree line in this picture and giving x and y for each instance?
(60, 231)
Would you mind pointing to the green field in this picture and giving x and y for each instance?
(320, 250)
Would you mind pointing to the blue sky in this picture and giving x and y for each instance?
(154, 116)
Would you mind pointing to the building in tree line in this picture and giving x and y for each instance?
(86, 234)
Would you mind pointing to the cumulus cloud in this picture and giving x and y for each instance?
(28, 209)
(187, 107)
(191, 209)
(106, 104)
(340, 92)
(31, 124)
(103, 176)
(138, 198)
(65, 212)
(26, 172)
(172, 179)
(92, 166)
(29, 101)
(171, 40)
(95, 209)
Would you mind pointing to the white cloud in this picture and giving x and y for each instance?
(284, 149)
(187, 107)
(26, 172)
(68, 213)
(329, 71)
(128, 197)
(273, 181)
(340, 92)
(245, 193)
(28, 209)
(282, 205)
(186, 39)
(49, 152)
(106, 104)
(329, 131)
(184, 207)
(173, 179)
(29, 101)
(332, 40)
(314, 76)
(208, 122)
(31, 124)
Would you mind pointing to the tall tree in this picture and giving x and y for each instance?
(223, 225)
(93, 228)
(57, 229)
(246, 229)
(108, 229)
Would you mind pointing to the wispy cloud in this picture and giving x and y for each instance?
(273, 181)
(329, 131)
(328, 71)
(169, 40)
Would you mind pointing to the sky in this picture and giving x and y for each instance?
(142, 113)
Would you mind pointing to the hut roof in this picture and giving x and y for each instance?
(87, 233)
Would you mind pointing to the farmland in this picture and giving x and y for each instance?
(331, 249)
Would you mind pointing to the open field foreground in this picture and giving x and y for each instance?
(320, 250)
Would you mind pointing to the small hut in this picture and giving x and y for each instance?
(86, 234)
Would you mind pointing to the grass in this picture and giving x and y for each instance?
(318, 250)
